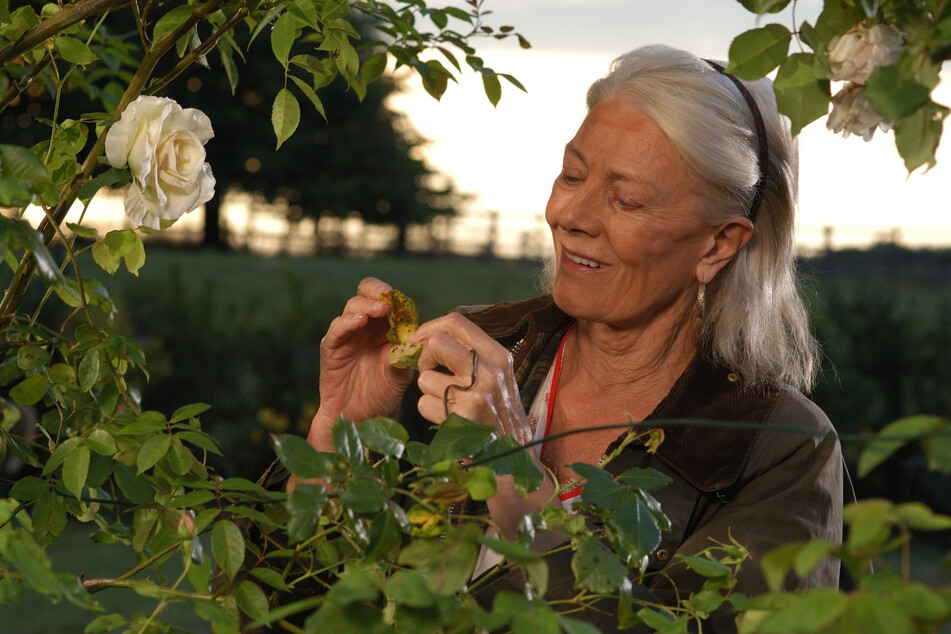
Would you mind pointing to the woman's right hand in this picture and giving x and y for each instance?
(356, 378)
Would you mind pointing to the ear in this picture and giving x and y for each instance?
(725, 242)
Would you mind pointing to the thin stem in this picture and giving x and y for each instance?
(17, 87)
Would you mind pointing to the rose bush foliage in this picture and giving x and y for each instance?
(162, 145)
(361, 545)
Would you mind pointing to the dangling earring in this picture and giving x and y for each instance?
(701, 300)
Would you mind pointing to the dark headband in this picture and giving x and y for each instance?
(761, 135)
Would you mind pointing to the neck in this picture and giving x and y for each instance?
(635, 359)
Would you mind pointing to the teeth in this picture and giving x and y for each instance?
(583, 261)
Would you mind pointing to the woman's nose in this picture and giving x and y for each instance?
(577, 210)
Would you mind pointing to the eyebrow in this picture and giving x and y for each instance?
(614, 175)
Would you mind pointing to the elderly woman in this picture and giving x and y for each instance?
(672, 296)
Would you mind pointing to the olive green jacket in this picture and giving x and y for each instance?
(762, 487)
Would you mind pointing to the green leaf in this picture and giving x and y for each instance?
(31, 357)
(644, 479)
(29, 488)
(408, 587)
(45, 264)
(384, 436)
(282, 37)
(921, 518)
(800, 95)
(922, 602)
(777, 563)
(372, 67)
(135, 257)
(637, 528)
(517, 462)
(869, 523)
(305, 505)
(227, 545)
(136, 488)
(199, 439)
(105, 623)
(597, 568)
(457, 439)
(188, 411)
(347, 442)
(453, 570)
(574, 626)
(179, 458)
(301, 458)
(917, 135)
(110, 178)
(759, 7)
(894, 94)
(89, 370)
(105, 258)
(363, 496)
(812, 611)
(311, 95)
(102, 442)
(481, 483)
(74, 51)
(285, 115)
(493, 87)
(754, 53)
(901, 432)
(706, 567)
(75, 470)
(34, 564)
(19, 163)
(269, 576)
(252, 600)
(153, 450)
(305, 12)
(31, 390)
(49, 518)
(192, 499)
(171, 21)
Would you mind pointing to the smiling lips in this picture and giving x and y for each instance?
(577, 259)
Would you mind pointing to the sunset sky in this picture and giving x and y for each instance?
(510, 154)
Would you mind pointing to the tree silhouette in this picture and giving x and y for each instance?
(363, 160)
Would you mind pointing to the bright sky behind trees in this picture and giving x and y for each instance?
(509, 155)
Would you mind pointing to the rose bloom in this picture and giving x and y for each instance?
(853, 114)
(163, 145)
(854, 55)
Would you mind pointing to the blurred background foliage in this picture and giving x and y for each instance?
(241, 332)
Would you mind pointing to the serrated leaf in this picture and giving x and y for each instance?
(134, 487)
(227, 545)
(304, 506)
(105, 258)
(19, 163)
(75, 470)
(74, 51)
(49, 518)
(29, 488)
(384, 436)
(373, 67)
(799, 94)
(893, 94)
(135, 257)
(188, 411)
(31, 357)
(301, 458)
(282, 37)
(759, 7)
(252, 600)
(89, 370)
(171, 21)
(917, 136)
(754, 53)
(285, 115)
(597, 568)
(100, 441)
(153, 450)
(481, 483)
(269, 576)
(311, 95)
(30, 390)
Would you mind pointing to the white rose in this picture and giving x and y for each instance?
(854, 55)
(853, 114)
(163, 145)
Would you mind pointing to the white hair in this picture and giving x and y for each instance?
(755, 321)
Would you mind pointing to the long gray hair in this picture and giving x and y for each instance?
(755, 321)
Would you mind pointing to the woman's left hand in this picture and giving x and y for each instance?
(481, 379)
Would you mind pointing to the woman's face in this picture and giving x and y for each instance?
(624, 219)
